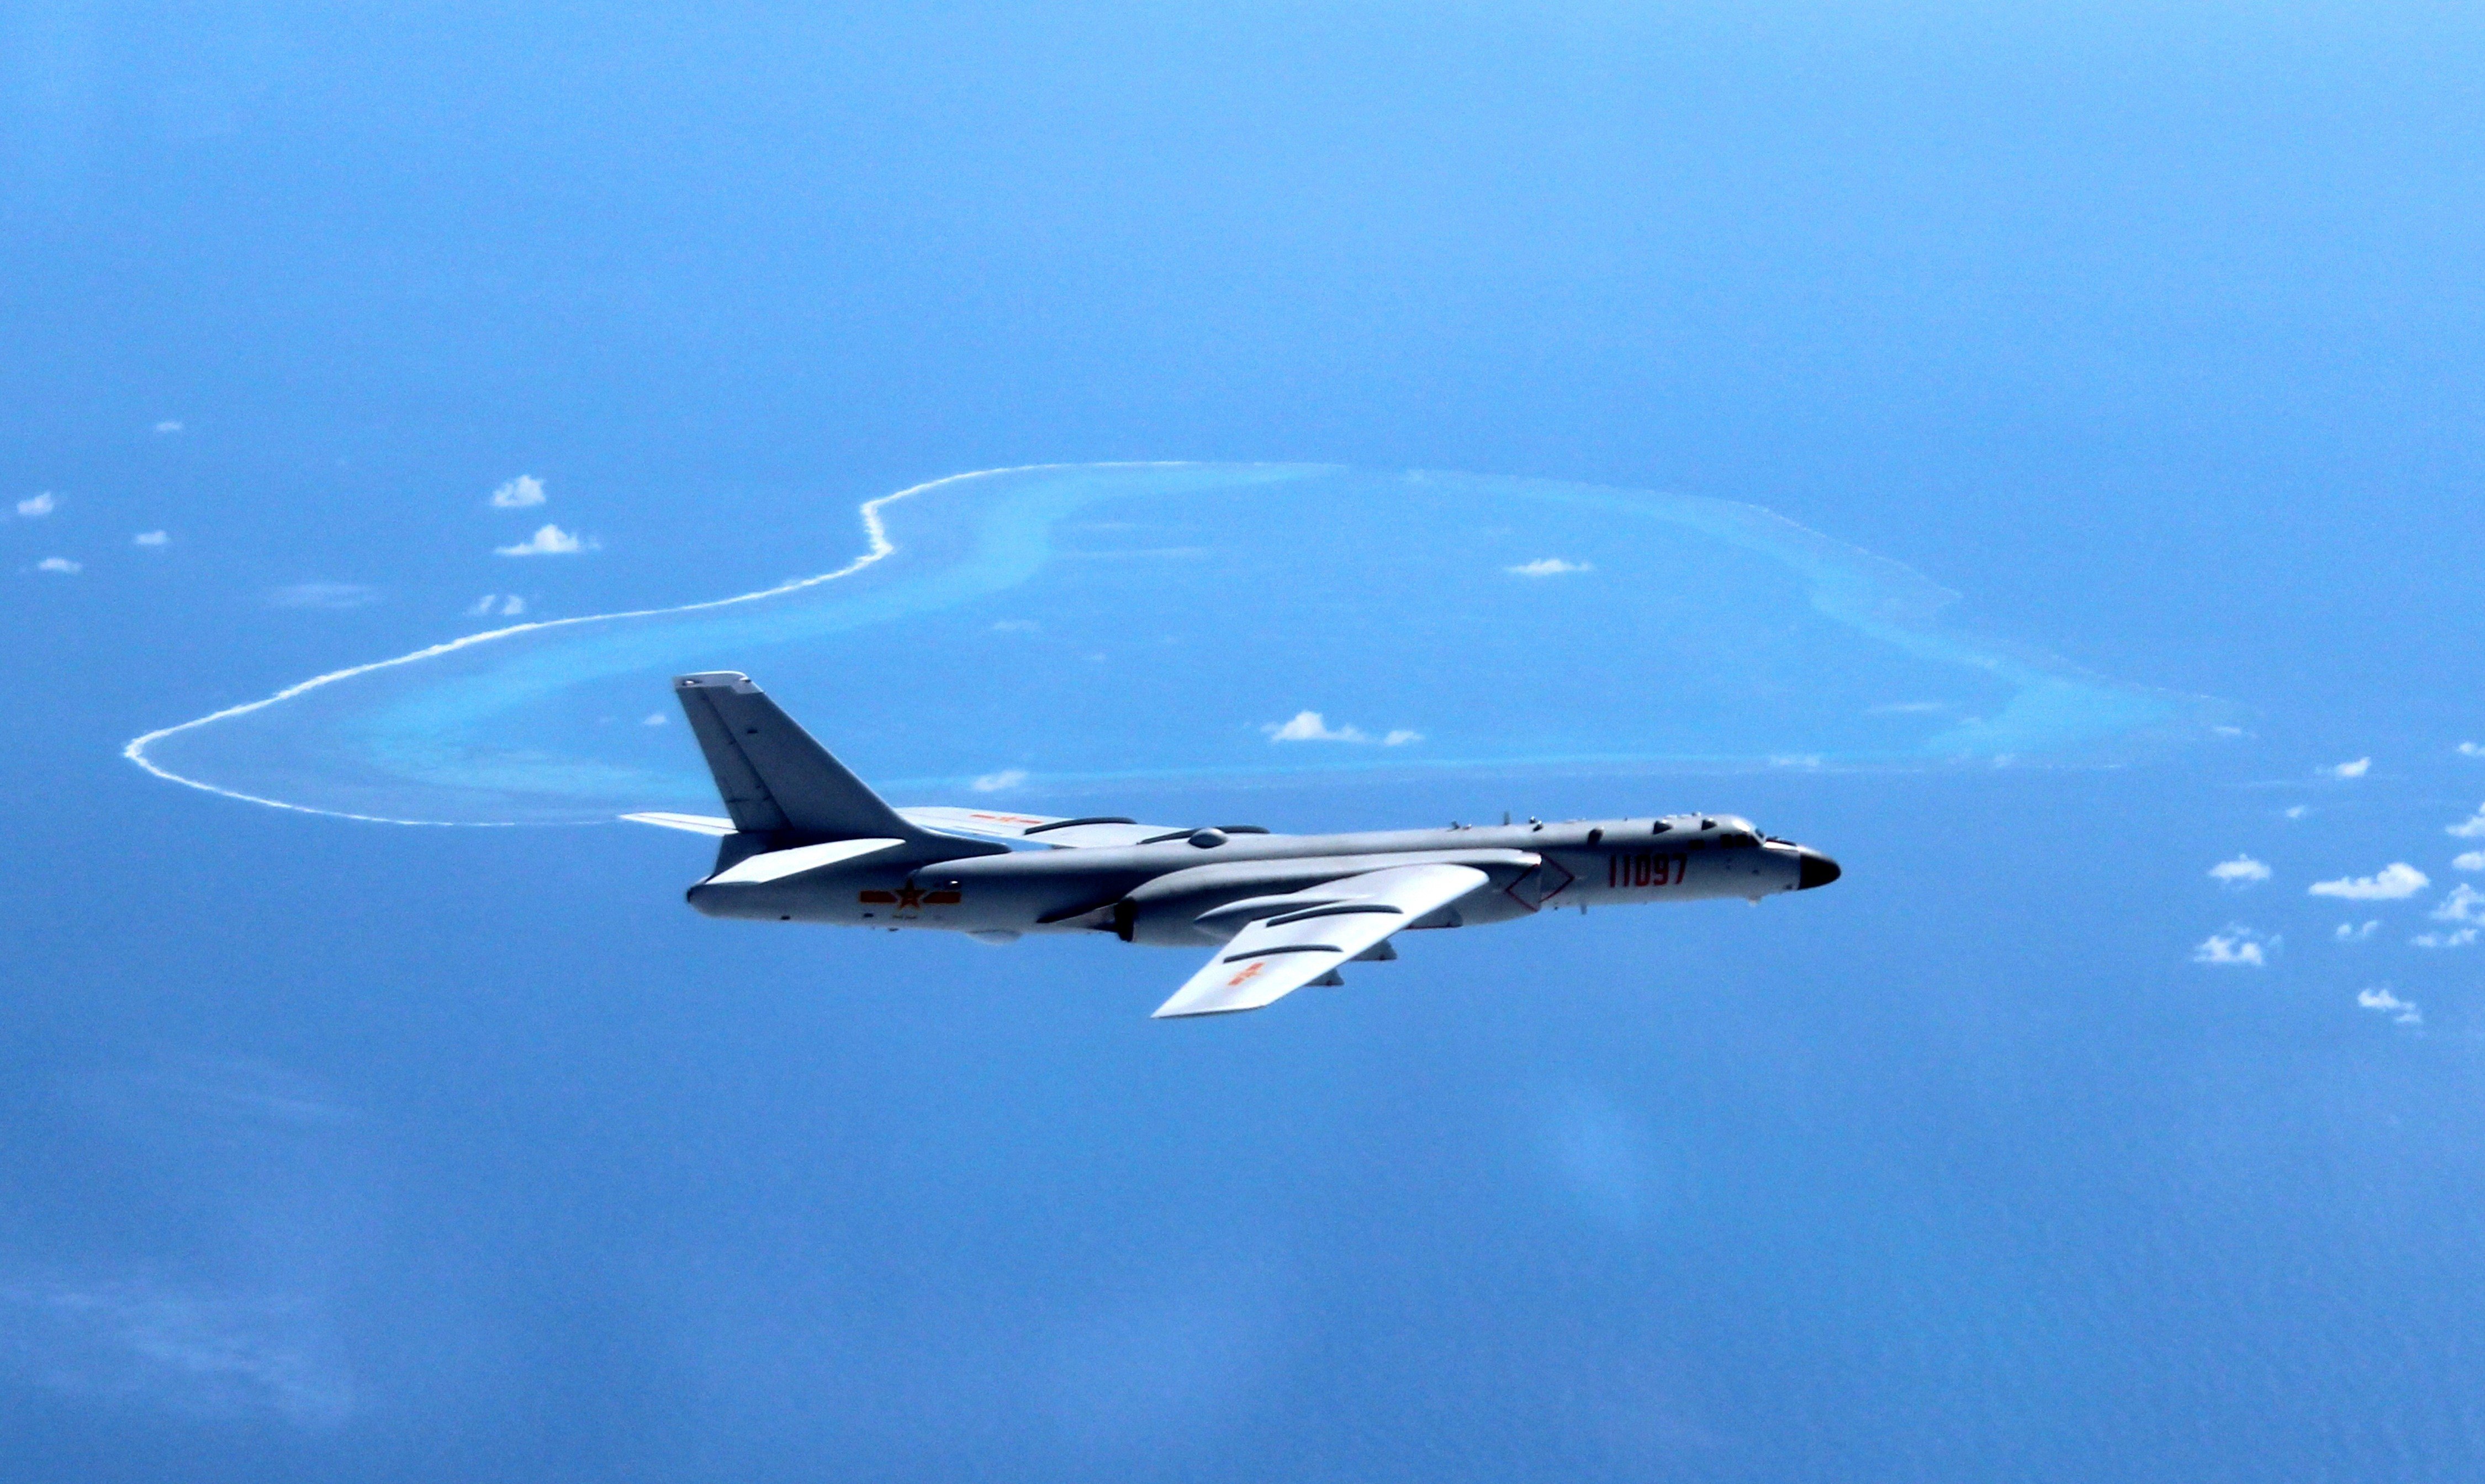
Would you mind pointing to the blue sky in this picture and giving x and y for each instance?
(352, 1150)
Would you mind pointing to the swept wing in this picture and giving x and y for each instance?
(1300, 937)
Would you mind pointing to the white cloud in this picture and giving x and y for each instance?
(168, 425)
(2396, 881)
(493, 605)
(2469, 828)
(994, 783)
(2349, 932)
(2379, 997)
(2354, 770)
(2457, 938)
(325, 595)
(59, 564)
(2298, 811)
(2465, 904)
(2469, 860)
(655, 718)
(519, 493)
(1312, 726)
(2238, 946)
(550, 541)
(34, 507)
(150, 538)
(1549, 566)
(2472, 751)
(2240, 872)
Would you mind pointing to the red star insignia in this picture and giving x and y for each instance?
(910, 897)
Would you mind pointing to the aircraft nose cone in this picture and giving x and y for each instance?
(1814, 869)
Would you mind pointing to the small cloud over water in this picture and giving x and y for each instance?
(2237, 947)
(2465, 904)
(150, 538)
(2393, 882)
(1312, 726)
(519, 494)
(2354, 770)
(1549, 566)
(548, 541)
(2379, 997)
(994, 783)
(59, 564)
(34, 507)
(2241, 872)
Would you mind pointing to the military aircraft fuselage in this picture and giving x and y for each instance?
(806, 840)
(1172, 891)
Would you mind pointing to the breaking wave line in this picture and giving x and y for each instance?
(880, 547)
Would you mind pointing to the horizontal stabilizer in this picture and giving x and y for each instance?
(696, 824)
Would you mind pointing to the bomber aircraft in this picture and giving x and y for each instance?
(808, 842)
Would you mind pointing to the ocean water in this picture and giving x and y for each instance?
(2113, 1119)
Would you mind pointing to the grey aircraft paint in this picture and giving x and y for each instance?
(808, 842)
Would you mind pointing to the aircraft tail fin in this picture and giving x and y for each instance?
(775, 779)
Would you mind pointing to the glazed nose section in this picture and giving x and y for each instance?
(1814, 869)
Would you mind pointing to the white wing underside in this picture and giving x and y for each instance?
(1298, 938)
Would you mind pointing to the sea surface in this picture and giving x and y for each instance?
(2028, 453)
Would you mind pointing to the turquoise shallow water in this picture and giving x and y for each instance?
(429, 1155)
(1051, 630)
